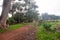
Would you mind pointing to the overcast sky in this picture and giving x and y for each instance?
(49, 6)
(0, 5)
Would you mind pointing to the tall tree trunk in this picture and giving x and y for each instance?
(5, 11)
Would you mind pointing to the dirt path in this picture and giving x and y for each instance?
(25, 33)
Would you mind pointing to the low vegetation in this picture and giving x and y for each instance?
(13, 27)
(47, 31)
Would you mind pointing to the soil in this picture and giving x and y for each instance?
(25, 33)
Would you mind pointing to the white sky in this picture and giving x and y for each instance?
(1, 6)
(49, 6)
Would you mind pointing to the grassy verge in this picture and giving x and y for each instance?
(16, 26)
(13, 27)
(47, 35)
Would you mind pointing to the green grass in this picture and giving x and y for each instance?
(42, 34)
(16, 26)
(13, 27)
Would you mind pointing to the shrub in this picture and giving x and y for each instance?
(47, 26)
(11, 21)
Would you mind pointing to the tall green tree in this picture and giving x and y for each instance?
(30, 14)
(16, 6)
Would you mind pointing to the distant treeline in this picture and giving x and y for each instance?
(46, 16)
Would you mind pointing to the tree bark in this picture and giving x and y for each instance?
(4, 15)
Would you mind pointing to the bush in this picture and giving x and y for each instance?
(47, 26)
(11, 21)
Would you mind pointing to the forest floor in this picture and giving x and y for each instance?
(24, 33)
